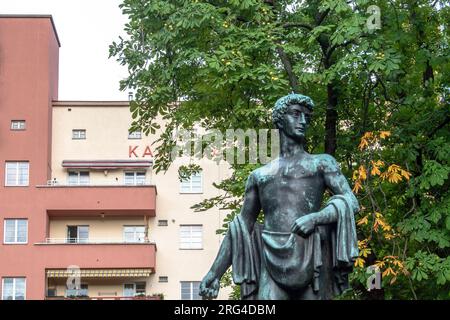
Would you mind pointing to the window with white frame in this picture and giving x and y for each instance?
(77, 234)
(15, 231)
(191, 237)
(189, 290)
(18, 125)
(134, 177)
(78, 178)
(193, 184)
(135, 135)
(134, 233)
(13, 288)
(134, 289)
(17, 173)
(79, 134)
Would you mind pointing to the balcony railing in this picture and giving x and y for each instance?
(94, 241)
(56, 183)
(154, 297)
(76, 293)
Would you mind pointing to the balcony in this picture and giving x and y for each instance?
(93, 241)
(97, 254)
(88, 200)
(152, 297)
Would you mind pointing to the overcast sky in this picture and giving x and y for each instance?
(86, 28)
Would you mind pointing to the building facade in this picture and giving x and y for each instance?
(83, 213)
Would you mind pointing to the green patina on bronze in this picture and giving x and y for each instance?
(301, 251)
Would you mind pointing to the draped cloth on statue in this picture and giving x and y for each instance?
(292, 261)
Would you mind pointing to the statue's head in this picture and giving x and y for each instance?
(292, 114)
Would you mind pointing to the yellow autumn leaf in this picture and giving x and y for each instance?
(394, 177)
(359, 262)
(376, 224)
(356, 187)
(406, 174)
(379, 163)
(362, 172)
(363, 220)
(398, 263)
(375, 171)
(365, 252)
(363, 144)
(389, 236)
(362, 243)
(393, 168)
(387, 271)
(384, 134)
(384, 175)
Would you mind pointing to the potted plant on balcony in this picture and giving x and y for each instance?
(157, 296)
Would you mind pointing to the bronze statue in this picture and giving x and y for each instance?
(301, 251)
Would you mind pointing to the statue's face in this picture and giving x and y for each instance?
(296, 121)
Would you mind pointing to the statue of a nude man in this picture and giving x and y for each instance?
(301, 251)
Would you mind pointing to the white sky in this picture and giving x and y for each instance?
(85, 28)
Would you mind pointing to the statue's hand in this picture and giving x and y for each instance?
(304, 226)
(209, 287)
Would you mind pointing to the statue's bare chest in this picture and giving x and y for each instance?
(290, 174)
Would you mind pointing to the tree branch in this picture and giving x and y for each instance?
(288, 68)
(321, 17)
(297, 24)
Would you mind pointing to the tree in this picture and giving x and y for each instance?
(381, 106)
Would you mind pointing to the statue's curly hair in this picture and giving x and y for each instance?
(293, 98)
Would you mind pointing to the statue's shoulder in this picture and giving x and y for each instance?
(265, 172)
(326, 163)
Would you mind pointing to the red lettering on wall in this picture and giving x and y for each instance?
(147, 152)
(131, 151)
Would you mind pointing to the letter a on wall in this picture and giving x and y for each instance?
(147, 152)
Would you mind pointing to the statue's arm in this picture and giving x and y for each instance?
(338, 185)
(209, 287)
(336, 182)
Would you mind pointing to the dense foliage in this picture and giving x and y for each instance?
(381, 98)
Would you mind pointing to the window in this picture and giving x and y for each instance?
(83, 291)
(163, 223)
(18, 125)
(52, 292)
(17, 173)
(191, 237)
(78, 178)
(189, 290)
(77, 234)
(134, 177)
(193, 184)
(134, 289)
(13, 288)
(135, 135)
(163, 279)
(78, 134)
(15, 231)
(134, 233)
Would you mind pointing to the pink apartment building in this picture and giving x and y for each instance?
(47, 225)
